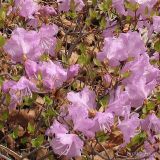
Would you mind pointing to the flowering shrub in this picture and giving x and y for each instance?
(80, 79)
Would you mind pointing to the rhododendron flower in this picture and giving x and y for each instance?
(67, 144)
(151, 124)
(56, 128)
(119, 5)
(19, 90)
(64, 5)
(85, 98)
(104, 121)
(23, 43)
(47, 10)
(129, 127)
(53, 75)
(138, 91)
(156, 23)
(64, 143)
(47, 39)
(27, 8)
(31, 68)
(119, 49)
(82, 123)
(73, 71)
(140, 68)
(119, 103)
(7, 85)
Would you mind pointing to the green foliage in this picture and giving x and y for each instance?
(105, 5)
(131, 6)
(28, 101)
(31, 128)
(103, 23)
(104, 101)
(5, 115)
(14, 134)
(150, 106)
(37, 142)
(1, 80)
(47, 100)
(101, 136)
(138, 139)
(49, 113)
(2, 41)
(157, 46)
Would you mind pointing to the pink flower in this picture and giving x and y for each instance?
(64, 5)
(63, 143)
(151, 124)
(85, 98)
(129, 127)
(19, 90)
(82, 123)
(73, 71)
(27, 8)
(53, 75)
(47, 38)
(56, 128)
(104, 121)
(67, 144)
(156, 23)
(23, 43)
(119, 49)
(47, 10)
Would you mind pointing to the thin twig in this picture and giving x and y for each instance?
(9, 151)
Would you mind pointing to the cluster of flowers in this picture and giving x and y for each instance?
(143, 77)
(81, 119)
(27, 47)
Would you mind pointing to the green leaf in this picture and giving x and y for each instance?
(5, 115)
(93, 14)
(50, 113)
(97, 62)
(72, 5)
(104, 6)
(24, 140)
(2, 41)
(45, 57)
(83, 59)
(104, 101)
(1, 125)
(2, 14)
(101, 136)
(58, 45)
(131, 6)
(31, 128)
(1, 80)
(158, 97)
(48, 101)
(28, 101)
(126, 74)
(150, 106)
(103, 23)
(72, 14)
(15, 133)
(37, 142)
(139, 138)
(157, 46)
(94, 2)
